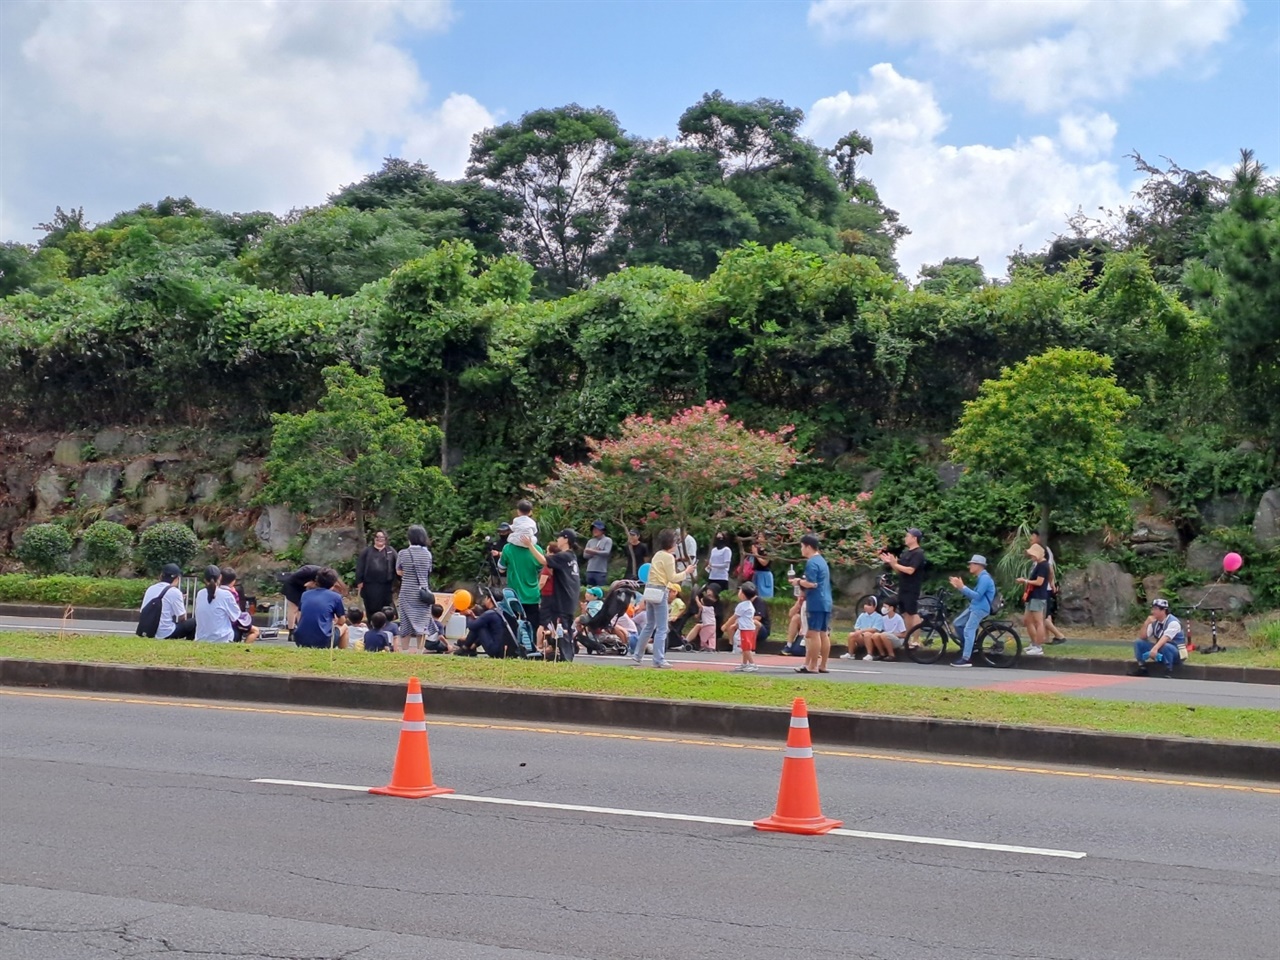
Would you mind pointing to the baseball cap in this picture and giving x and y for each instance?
(595, 592)
(1160, 604)
(915, 532)
(979, 559)
(598, 525)
(170, 570)
(570, 535)
(504, 527)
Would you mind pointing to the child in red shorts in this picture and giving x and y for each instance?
(748, 623)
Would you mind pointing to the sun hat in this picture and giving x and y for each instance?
(979, 559)
(1036, 551)
(1160, 604)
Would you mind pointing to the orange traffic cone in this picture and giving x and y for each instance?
(411, 775)
(798, 809)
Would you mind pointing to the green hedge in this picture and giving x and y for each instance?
(78, 591)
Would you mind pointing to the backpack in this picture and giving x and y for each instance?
(149, 618)
(997, 603)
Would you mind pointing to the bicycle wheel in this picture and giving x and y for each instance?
(925, 642)
(1000, 645)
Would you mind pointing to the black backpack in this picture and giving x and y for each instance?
(149, 618)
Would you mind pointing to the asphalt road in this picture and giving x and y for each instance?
(132, 828)
(1091, 685)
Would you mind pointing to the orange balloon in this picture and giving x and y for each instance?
(461, 601)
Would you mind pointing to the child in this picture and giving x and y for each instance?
(433, 640)
(377, 639)
(624, 628)
(707, 604)
(748, 622)
(243, 629)
(524, 529)
(356, 628)
(675, 610)
(868, 625)
(892, 631)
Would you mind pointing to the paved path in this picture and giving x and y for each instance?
(132, 827)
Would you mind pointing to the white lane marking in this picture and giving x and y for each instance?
(693, 818)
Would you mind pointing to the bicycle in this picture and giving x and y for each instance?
(998, 643)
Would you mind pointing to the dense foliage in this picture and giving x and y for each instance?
(45, 548)
(167, 542)
(107, 546)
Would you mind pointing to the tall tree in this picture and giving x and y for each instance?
(566, 169)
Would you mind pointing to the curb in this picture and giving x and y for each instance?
(44, 611)
(1204, 758)
(1186, 671)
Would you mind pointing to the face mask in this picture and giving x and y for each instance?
(884, 611)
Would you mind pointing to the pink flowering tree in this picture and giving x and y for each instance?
(679, 470)
(843, 525)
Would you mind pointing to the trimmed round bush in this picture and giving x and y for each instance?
(167, 542)
(107, 546)
(45, 548)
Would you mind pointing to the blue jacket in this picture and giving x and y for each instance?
(982, 595)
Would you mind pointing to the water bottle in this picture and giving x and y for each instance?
(796, 589)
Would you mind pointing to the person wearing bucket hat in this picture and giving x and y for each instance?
(981, 596)
(1036, 598)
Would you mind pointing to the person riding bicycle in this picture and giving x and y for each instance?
(981, 596)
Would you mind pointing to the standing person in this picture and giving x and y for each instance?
(685, 550)
(566, 586)
(597, 551)
(173, 622)
(909, 566)
(748, 624)
(707, 604)
(762, 576)
(719, 562)
(637, 555)
(547, 613)
(216, 610)
(376, 572)
(523, 567)
(1036, 598)
(322, 619)
(662, 586)
(292, 586)
(980, 596)
(1050, 628)
(413, 567)
(816, 584)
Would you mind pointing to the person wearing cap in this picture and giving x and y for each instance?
(566, 581)
(1161, 635)
(174, 622)
(1036, 598)
(981, 596)
(909, 566)
(597, 551)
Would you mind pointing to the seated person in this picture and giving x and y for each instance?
(393, 625)
(244, 629)
(322, 614)
(675, 611)
(766, 620)
(868, 625)
(624, 628)
(892, 635)
(376, 638)
(174, 623)
(796, 624)
(356, 628)
(1161, 634)
(487, 631)
(702, 635)
(433, 640)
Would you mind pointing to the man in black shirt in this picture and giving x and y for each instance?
(909, 566)
(637, 555)
(293, 585)
(566, 585)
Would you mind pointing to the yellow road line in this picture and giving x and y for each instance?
(647, 738)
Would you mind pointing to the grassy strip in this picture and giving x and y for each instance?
(1218, 723)
(77, 591)
(1239, 653)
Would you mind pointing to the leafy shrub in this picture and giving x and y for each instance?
(1266, 635)
(107, 546)
(77, 591)
(45, 548)
(167, 542)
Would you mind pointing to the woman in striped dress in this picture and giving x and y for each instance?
(413, 566)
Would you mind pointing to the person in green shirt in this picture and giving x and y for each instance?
(523, 565)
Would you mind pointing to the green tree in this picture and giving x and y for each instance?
(844, 158)
(566, 169)
(953, 275)
(1051, 425)
(357, 446)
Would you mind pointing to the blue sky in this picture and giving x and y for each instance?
(993, 119)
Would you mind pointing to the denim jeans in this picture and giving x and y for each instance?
(655, 626)
(968, 623)
(1168, 654)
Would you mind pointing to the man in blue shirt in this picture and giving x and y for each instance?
(816, 583)
(322, 615)
(981, 596)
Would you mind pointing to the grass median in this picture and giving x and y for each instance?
(1051, 710)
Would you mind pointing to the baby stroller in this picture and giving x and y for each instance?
(519, 630)
(595, 631)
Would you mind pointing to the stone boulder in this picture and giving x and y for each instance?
(116, 513)
(1100, 595)
(276, 528)
(1154, 536)
(19, 482)
(329, 546)
(1204, 555)
(1232, 597)
(1225, 511)
(1266, 520)
(39, 448)
(134, 445)
(99, 485)
(68, 453)
(247, 475)
(51, 490)
(162, 497)
(137, 472)
(108, 442)
(1153, 586)
(848, 584)
(206, 487)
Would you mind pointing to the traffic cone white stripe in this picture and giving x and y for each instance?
(413, 698)
(414, 726)
(800, 722)
(798, 753)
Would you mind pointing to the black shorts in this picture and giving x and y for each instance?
(909, 603)
(532, 613)
(549, 613)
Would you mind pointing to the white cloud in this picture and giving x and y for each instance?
(1088, 135)
(240, 105)
(1046, 54)
(966, 201)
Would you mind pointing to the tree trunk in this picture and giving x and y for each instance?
(360, 522)
(444, 432)
(1044, 522)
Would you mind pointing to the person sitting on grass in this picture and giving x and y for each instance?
(433, 640)
(322, 617)
(377, 639)
(748, 623)
(865, 629)
(1161, 634)
(893, 632)
(487, 631)
(356, 628)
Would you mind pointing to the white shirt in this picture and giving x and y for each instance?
(895, 625)
(524, 530)
(745, 611)
(690, 553)
(172, 608)
(1171, 628)
(721, 557)
(214, 617)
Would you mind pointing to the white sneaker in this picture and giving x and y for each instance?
(750, 668)
(1034, 651)
(868, 657)
(739, 668)
(848, 656)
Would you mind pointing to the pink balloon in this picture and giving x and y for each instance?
(1232, 562)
